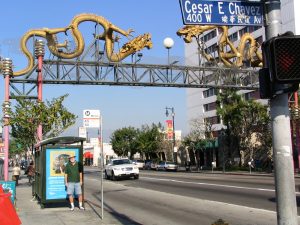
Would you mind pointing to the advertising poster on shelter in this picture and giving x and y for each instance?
(56, 161)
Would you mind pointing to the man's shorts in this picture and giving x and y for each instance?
(74, 187)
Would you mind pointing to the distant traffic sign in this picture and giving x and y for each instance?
(221, 12)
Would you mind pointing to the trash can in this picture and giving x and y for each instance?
(51, 157)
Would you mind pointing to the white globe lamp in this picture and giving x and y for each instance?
(168, 43)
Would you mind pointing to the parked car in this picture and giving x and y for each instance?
(117, 168)
(153, 165)
(140, 163)
(167, 166)
(150, 164)
(147, 165)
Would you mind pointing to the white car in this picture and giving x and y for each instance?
(117, 168)
(167, 166)
(140, 163)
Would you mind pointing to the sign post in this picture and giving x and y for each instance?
(91, 119)
(281, 132)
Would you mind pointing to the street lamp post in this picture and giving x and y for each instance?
(223, 151)
(173, 126)
(168, 43)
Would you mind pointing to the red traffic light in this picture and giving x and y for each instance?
(283, 56)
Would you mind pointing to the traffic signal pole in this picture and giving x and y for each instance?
(282, 146)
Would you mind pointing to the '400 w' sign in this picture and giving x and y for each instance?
(221, 12)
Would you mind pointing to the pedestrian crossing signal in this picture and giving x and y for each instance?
(281, 71)
(283, 58)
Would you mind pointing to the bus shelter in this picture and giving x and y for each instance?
(51, 156)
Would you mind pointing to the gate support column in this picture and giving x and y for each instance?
(39, 54)
(7, 72)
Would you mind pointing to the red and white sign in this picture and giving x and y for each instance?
(91, 118)
(169, 130)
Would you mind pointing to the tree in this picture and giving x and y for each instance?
(197, 138)
(247, 122)
(123, 141)
(28, 114)
(15, 148)
(147, 140)
(227, 102)
(150, 140)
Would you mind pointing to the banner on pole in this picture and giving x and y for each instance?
(169, 130)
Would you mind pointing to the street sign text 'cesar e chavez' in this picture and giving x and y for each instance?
(227, 13)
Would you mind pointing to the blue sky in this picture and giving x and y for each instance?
(120, 106)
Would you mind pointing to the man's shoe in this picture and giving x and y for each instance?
(72, 208)
(81, 208)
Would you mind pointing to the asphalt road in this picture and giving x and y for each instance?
(187, 198)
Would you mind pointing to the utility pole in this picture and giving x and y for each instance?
(282, 146)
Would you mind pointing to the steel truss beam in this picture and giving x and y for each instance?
(135, 74)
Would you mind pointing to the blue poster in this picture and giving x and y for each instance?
(56, 161)
(9, 187)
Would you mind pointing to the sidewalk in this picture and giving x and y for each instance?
(30, 212)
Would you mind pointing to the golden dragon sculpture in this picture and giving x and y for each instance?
(239, 54)
(57, 49)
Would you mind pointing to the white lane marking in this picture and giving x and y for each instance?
(199, 183)
(208, 184)
(93, 179)
(225, 203)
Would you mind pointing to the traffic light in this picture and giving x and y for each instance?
(284, 58)
(281, 72)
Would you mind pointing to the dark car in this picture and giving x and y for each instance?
(147, 165)
(24, 164)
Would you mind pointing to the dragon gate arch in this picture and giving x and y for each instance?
(69, 67)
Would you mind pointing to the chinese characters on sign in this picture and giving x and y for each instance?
(221, 12)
